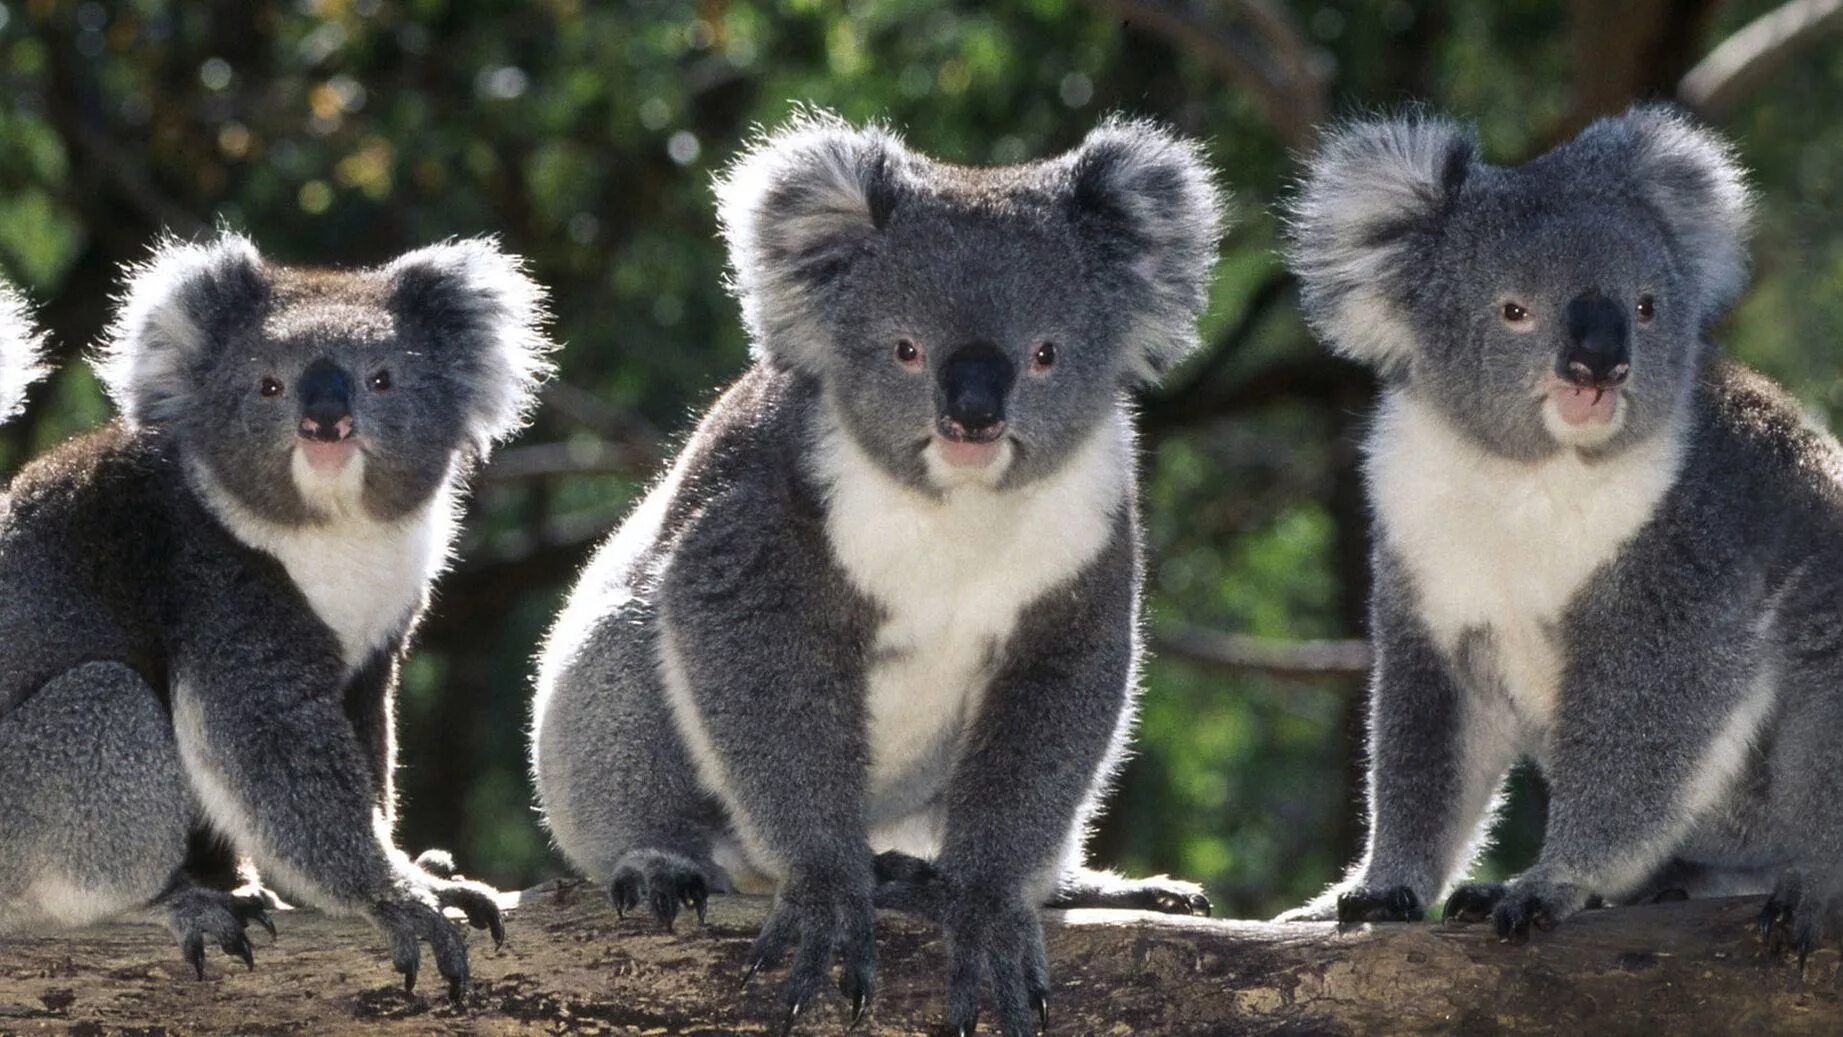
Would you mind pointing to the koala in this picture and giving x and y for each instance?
(886, 601)
(203, 605)
(1600, 545)
(20, 360)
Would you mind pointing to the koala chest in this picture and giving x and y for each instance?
(1500, 548)
(951, 577)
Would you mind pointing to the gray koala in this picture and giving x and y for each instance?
(20, 362)
(887, 597)
(203, 605)
(1600, 545)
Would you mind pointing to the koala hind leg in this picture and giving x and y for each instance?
(93, 800)
(618, 787)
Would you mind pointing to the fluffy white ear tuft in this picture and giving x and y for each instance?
(1146, 198)
(1374, 191)
(796, 207)
(21, 356)
(1692, 180)
(171, 319)
(486, 318)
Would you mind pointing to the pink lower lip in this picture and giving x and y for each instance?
(328, 457)
(966, 454)
(1585, 407)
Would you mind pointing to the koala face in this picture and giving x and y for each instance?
(970, 325)
(1560, 304)
(308, 394)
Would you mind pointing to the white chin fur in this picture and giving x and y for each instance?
(334, 494)
(945, 475)
(1583, 435)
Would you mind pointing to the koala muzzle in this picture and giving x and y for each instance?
(974, 383)
(1599, 350)
(325, 392)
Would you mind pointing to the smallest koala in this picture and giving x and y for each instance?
(20, 361)
(203, 605)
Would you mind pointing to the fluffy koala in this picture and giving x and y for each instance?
(203, 605)
(1600, 545)
(886, 599)
(20, 364)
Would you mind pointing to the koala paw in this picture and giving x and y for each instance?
(1362, 904)
(1160, 893)
(412, 915)
(1799, 916)
(196, 916)
(1473, 901)
(1527, 905)
(663, 881)
(820, 919)
(996, 937)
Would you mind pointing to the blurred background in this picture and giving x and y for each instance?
(345, 131)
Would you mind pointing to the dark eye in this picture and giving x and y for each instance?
(1044, 358)
(1647, 309)
(379, 382)
(269, 388)
(908, 354)
(1515, 313)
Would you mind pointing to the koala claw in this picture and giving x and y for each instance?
(821, 926)
(1797, 918)
(415, 917)
(1370, 904)
(998, 939)
(1518, 912)
(1473, 902)
(196, 915)
(664, 881)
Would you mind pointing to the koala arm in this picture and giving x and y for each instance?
(279, 767)
(1437, 759)
(370, 696)
(762, 645)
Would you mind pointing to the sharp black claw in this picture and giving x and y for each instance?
(195, 953)
(409, 980)
(793, 1013)
(749, 973)
(859, 1002)
(1041, 1004)
(262, 918)
(455, 991)
(241, 948)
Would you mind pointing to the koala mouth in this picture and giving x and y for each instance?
(970, 448)
(329, 457)
(1583, 406)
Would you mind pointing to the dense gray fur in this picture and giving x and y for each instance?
(1651, 610)
(200, 631)
(715, 705)
(20, 361)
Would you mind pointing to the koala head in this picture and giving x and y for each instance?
(307, 394)
(1557, 304)
(20, 362)
(970, 325)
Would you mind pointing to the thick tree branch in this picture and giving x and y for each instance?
(570, 965)
(1740, 63)
(1240, 655)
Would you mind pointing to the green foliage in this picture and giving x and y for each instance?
(344, 131)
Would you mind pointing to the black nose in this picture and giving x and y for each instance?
(1599, 351)
(974, 382)
(325, 392)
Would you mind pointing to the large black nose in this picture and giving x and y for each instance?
(325, 392)
(974, 382)
(1599, 351)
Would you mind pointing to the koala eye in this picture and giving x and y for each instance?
(269, 388)
(1044, 358)
(1515, 313)
(379, 382)
(1647, 309)
(908, 354)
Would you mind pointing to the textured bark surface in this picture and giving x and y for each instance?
(569, 965)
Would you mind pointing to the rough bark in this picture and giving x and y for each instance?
(569, 965)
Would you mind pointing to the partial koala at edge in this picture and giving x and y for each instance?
(21, 357)
(874, 638)
(204, 604)
(1601, 545)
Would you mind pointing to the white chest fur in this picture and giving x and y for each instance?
(363, 578)
(1501, 545)
(952, 575)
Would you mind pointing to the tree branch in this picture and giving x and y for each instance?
(1740, 63)
(1241, 655)
(570, 965)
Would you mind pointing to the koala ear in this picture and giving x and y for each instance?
(796, 208)
(1148, 206)
(21, 361)
(171, 322)
(1371, 196)
(1690, 177)
(484, 318)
